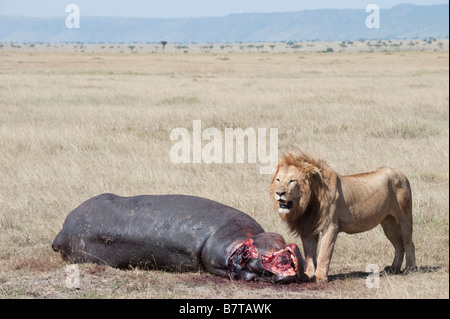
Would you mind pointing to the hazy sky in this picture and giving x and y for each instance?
(184, 8)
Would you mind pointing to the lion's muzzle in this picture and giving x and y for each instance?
(284, 205)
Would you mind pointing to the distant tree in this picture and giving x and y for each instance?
(163, 43)
(272, 46)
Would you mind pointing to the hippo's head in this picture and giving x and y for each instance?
(266, 257)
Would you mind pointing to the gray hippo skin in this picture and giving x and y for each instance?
(176, 233)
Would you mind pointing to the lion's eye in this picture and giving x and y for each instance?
(278, 180)
(292, 181)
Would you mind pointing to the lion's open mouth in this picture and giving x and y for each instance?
(282, 262)
(285, 206)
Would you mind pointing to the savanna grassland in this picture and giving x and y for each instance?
(74, 125)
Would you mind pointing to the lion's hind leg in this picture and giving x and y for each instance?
(406, 235)
(405, 220)
(392, 232)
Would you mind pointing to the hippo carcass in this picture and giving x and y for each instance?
(176, 233)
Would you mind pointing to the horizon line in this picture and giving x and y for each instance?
(216, 16)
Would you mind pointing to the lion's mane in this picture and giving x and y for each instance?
(310, 216)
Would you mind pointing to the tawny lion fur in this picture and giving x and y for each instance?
(313, 199)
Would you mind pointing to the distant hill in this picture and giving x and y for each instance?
(401, 22)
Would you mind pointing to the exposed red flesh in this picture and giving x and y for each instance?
(282, 262)
(240, 257)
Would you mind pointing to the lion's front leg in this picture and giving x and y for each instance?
(325, 252)
(310, 250)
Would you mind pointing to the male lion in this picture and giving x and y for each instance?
(312, 199)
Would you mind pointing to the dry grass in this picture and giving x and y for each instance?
(73, 125)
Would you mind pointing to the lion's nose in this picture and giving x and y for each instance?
(280, 193)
